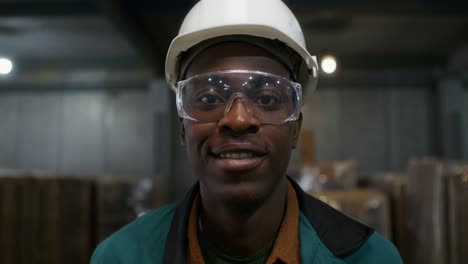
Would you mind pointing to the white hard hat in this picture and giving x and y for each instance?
(270, 19)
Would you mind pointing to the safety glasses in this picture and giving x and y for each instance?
(269, 98)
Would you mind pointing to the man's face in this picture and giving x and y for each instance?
(238, 159)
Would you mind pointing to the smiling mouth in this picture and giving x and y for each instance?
(238, 160)
(237, 155)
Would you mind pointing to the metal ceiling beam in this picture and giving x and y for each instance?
(77, 80)
(146, 24)
(180, 7)
(152, 7)
(422, 7)
(378, 78)
(48, 8)
(137, 30)
(28, 64)
(391, 61)
(176, 7)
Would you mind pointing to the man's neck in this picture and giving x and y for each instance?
(243, 233)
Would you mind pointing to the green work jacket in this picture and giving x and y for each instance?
(326, 237)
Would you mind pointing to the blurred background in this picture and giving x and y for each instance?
(89, 133)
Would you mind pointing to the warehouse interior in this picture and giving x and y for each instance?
(86, 104)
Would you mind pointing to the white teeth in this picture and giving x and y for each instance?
(242, 155)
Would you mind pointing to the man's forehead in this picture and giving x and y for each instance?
(236, 56)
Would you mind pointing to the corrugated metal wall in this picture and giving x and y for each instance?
(80, 132)
(465, 131)
(381, 128)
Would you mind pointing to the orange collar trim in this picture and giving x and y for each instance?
(286, 247)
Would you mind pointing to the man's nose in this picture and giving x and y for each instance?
(238, 119)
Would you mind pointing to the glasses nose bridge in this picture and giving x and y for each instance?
(233, 99)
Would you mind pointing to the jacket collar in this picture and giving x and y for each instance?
(175, 251)
(340, 234)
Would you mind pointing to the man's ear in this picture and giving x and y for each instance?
(182, 131)
(296, 130)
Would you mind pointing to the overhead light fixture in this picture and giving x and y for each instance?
(6, 66)
(329, 64)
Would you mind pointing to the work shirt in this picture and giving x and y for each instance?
(325, 236)
(285, 248)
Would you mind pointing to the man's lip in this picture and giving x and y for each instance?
(238, 165)
(235, 164)
(238, 148)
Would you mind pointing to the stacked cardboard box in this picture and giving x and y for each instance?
(370, 206)
(458, 215)
(316, 175)
(437, 212)
(394, 185)
(46, 214)
(122, 200)
(54, 219)
(329, 175)
(76, 229)
(45, 220)
(18, 219)
(307, 147)
(426, 211)
(8, 221)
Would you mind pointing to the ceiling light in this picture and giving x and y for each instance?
(329, 64)
(5, 66)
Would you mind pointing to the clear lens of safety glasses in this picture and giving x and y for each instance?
(269, 98)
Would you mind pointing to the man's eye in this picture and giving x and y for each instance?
(267, 100)
(210, 99)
